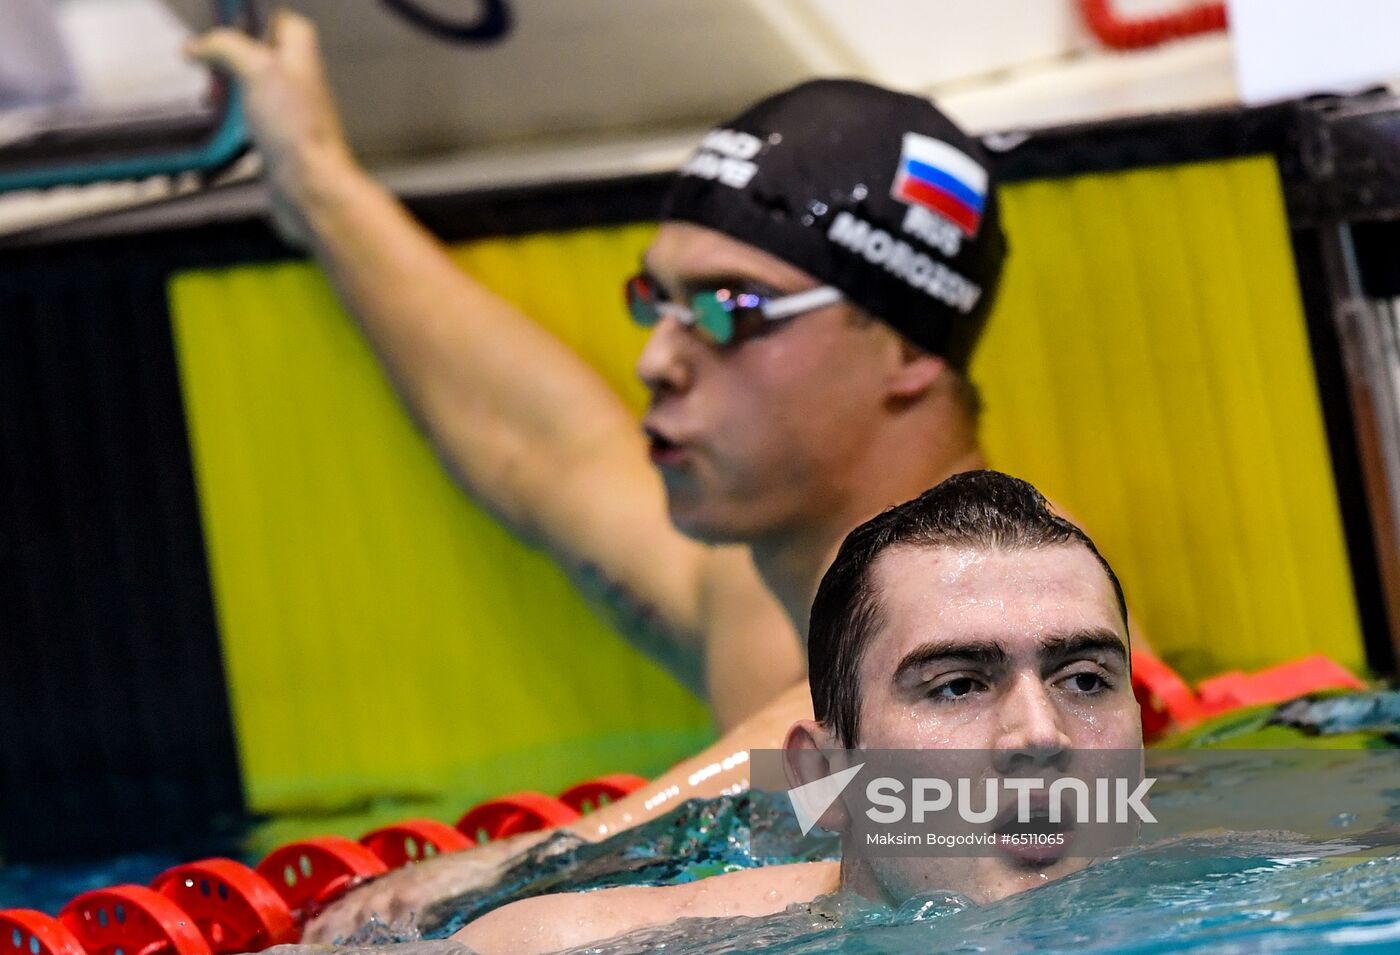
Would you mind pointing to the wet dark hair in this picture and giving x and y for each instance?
(985, 509)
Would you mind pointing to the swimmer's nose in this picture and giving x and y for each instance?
(667, 363)
(1030, 728)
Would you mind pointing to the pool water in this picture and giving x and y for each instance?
(1140, 904)
(1321, 873)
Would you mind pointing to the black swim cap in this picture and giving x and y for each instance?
(869, 190)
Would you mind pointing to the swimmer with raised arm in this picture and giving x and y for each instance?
(822, 273)
(971, 618)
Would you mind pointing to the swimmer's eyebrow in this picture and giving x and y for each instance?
(984, 653)
(1081, 644)
(704, 281)
(1053, 652)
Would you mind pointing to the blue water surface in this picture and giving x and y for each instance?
(1132, 905)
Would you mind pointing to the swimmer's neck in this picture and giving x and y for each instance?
(791, 560)
(855, 883)
(856, 879)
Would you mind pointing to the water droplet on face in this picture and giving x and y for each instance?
(773, 895)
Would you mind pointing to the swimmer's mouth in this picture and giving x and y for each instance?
(1036, 842)
(663, 451)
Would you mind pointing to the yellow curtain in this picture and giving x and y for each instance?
(1147, 366)
(381, 633)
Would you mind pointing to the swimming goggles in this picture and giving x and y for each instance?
(722, 315)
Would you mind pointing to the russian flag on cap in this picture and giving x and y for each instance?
(942, 179)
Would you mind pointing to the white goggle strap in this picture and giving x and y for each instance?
(801, 302)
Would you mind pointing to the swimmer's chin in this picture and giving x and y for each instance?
(708, 532)
(702, 525)
(1028, 875)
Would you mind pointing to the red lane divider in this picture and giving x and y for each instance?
(593, 793)
(514, 814)
(27, 932)
(235, 909)
(412, 840)
(1164, 698)
(1167, 702)
(1121, 33)
(221, 907)
(1277, 684)
(131, 920)
(313, 872)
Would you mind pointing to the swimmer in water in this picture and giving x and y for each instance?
(971, 618)
(824, 267)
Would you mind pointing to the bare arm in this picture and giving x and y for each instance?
(550, 923)
(529, 429)
(720, 768)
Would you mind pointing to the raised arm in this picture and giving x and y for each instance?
(528, 428)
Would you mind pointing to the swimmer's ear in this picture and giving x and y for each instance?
(811, 753)
(915, 371)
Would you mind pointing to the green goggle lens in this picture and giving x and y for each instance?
(713, 317)
(641, 302)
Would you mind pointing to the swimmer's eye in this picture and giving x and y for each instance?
(1086, 683)
(751, 294)
(748, 318)
(731, 314)
(955, 689)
